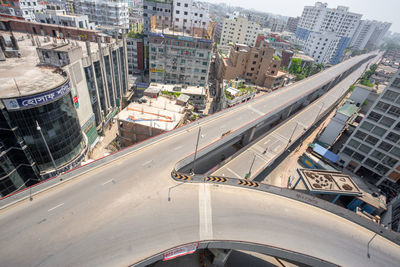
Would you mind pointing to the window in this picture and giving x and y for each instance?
(365, 149)
(153, 49)
(388, 122)
(360, 135)
(254, 62)
(185, 13)
(144, 7)
(354, 143)
(379, 131)
(371, 163)
(371, 140)
(201, 55)
(389, 161)
(378, 155)
(395, 111)
(249, 74)
(393, 137)
(396, 83)
(160, 50)
(381, 169)
(373, 116)
(382, 106)
(390, 95)
(177, 12)
(367, 126)
(395, 151)
(178, 4)
(201, 15)
(186, 5)
(348, 151)
(385, 146)
(204, 63)
(358, 156)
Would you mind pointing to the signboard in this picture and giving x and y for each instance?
(37, 100)
(141, 85)
(156, 70)
(76, 102)
(180, 251)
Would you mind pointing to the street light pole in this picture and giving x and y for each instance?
(369, 242)
(48, 149)
(290, 139)
(251, 166)
(195, 151)
(319, 112)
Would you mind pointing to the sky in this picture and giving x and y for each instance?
(382, 10)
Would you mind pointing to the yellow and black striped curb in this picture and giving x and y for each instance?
(248, 183)
(181, 176)
(216, 179)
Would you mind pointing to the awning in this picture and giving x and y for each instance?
(325, 153)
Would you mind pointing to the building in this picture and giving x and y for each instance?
(190, 16)
(21, 9)
(68, 5)
(38, 109)
(239, 31)
(105, 12)
(325, 32)
(236, 91)
(138, 122)
(256, 65)
(160, 11)
(260, 18)
(277, 25)
(373, 150)
(137, 60)
(291, 24)
(99, 75)
(179, 59)
(338, 123)
(53, 14)
(369, 34)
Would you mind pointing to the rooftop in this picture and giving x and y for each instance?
(160, 113)
(348, 109)
(23, 76)
(179, 88)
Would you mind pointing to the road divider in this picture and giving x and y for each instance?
(216, 179)
(248, 183)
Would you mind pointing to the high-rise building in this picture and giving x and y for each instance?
(105, 12)
(20, 9)
(373, 149)
(189, 16)
(158, 11)
(239, 31)
(178, 59)
(369, 34)
(326, 32)
(291, 24)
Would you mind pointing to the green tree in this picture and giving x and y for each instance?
(295, 66)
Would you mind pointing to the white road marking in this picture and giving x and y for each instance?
(267, 141)
(56, 207)
(256, 110)
(178, 147)
(238, 176)
(205, 212)
(109, 181)
(147, 162)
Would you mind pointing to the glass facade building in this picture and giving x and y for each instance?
(55, 112)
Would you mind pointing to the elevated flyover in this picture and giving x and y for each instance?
(124, 209)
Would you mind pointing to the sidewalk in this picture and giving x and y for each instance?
(102, 148)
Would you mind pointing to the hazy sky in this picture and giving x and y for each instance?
(382, 10)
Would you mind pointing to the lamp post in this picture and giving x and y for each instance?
(251, 166)
(290, 139)
(48, 149)
(195, 151)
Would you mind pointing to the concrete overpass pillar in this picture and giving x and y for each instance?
(220, 256)
(248, 136)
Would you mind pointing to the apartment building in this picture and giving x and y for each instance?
(369, 34)
(257, 65)
(291, 24)
(277, 25)
(68, 5)
(21, 9)
(55, 14)
(190, 16)
(137, 60)
(373, 149)
(162, 12)
(105, 12)
(178, 59)
(326, 32)
(239, 31)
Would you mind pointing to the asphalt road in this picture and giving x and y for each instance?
(121, 213)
